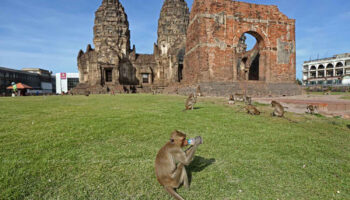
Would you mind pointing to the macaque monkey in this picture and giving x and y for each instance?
(87, 93)
(247, 100)
(239, 97)
(279, 109)
(231, 100)
(252, 110)
(311, 109)
(198, 91)
(171, 161)
(191, 100)
(327, 92)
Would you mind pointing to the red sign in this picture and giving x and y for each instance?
(63, 76)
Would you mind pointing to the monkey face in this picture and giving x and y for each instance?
(179, 138)
(184, 142)
(273, 103)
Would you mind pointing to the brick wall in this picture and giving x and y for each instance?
(214, 31)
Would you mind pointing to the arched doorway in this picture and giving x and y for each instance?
(248, 51)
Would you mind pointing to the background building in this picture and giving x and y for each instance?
(66, 81)
(326, 71)
(40, 80)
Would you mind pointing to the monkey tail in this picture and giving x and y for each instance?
(172, 192)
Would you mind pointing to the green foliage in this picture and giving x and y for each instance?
(103, 147)
(298, 81)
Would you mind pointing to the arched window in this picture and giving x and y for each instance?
(339, 64)
(329, 66)
(313, 68)
(320, 67)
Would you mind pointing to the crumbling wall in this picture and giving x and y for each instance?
(214, 32)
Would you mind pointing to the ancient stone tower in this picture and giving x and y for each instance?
(205, 47)
(111, 32)
(108, 66)
(170, 48)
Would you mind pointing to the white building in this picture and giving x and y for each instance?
(66, 81)
(327, 71)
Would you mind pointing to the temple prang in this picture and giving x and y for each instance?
(203, 47)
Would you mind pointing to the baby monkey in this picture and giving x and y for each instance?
(252, 110)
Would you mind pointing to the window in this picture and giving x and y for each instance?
(339, 64)
(72, 82)
(109, 75)
(145, 78)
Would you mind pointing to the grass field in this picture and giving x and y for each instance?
(103, 147)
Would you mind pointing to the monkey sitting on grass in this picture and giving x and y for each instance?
(191, 100)
(252, 110)
(171, 161)
(231, 100)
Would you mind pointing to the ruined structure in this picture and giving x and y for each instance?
(216, 56)
(170, 49)
(107, 66)
(205, 47)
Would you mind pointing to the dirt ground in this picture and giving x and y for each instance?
(328, 105)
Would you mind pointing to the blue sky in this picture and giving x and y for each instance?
(49, 33)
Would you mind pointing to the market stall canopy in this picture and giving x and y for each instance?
(20, 86)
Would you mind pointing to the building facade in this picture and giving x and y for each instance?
(326, 71)
(65, 82)
(203, 47)
(39, 79)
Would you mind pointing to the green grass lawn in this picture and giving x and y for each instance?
(103, 147)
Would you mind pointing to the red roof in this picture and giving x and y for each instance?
(20, 86)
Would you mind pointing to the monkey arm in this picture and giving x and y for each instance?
(186, 157)
(187, 150)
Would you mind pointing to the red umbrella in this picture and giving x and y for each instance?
(20, 86)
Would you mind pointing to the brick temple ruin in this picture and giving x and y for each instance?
(205, 47)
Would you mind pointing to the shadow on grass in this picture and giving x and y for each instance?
(197, 165)
(348, 126)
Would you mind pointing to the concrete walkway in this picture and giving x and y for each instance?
(328, 105)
